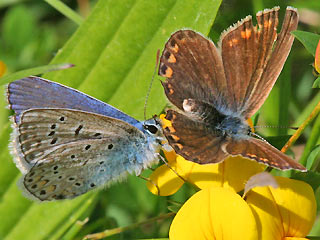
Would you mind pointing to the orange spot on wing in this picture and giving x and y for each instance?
(43, 182)
(175, 138)
(51, 188)
(37, 178)
(175, 48)
(252, 155)
(171, 129)
(265, 160)
(178, 145)
(233, 41)
(171, 91)
(248, 33)
(172, 59)
(168, 73)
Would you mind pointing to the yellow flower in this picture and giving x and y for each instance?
(317, 58)
(287, 212)
(284, 212)
(214, 213)
(232, 173)
(3, 68)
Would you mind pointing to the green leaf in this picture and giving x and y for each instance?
(313, 159)
(308, 39)
(278, 141)
(312, 140)
(312, 178)
(54, 214)
(33, 71)
(65, 10)
(316, 83)
(114, 51)
(18, 29)
(121, 58)
(174, 206)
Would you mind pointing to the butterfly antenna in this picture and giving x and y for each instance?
(257, 136)
(149, 90)
(168, 165)
(269, 126)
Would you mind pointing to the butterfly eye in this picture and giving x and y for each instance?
(151, 128)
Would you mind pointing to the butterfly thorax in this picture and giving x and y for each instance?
(154, 136)
(222, 124)
(233, 127)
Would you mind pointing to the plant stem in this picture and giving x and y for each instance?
(118, 230)
(297, 134)
(66, 11)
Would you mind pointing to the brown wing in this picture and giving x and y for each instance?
(261, 151)
(193, 140)
(193, 68)
(251, 63)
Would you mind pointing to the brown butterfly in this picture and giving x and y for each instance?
(218, 89)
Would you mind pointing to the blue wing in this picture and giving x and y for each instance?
(34, 92)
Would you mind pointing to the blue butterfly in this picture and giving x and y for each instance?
(66, 143)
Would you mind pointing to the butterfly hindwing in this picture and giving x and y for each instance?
(192, 140)
(262, 151)
(58, 144)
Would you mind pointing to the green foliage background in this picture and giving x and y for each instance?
(114, 52)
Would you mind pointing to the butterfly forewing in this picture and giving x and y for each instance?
(259, 89)
(69, 152)
(35, 92)
(193, 68)
(246, 50)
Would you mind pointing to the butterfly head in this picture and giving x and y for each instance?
(155, 132)
(153, 128)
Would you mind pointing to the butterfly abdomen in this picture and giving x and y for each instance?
(221, 124)
(202, 111)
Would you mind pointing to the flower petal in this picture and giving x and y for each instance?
(287, 211)
(317, 58)
(233, 172)
(170, 156)
(164, 182)
(297, 206)
(238, 170)
(214, 213)
(265, 210)
(3, 68)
